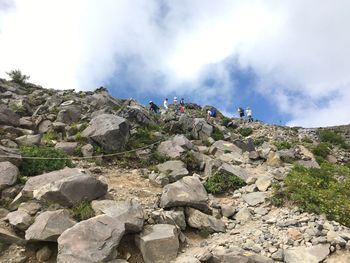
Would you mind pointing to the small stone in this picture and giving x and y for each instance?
(43, 254)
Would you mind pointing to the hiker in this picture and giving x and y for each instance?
(166, 104)
(211, 114)
(153, 107)
(182, 105)
(241, 113)
(248, 112)
(176, 107)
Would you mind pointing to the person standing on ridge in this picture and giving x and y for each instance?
(166, 104)
(176, 107)
(211, 114)
(182, 105)
(249, 113)
(240, 111)
(153, 107)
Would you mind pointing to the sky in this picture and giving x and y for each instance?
(288, 60)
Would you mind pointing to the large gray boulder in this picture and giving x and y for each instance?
(174, 147)
(201, 129)
(8, 236)
(29, 139)
(67, 147)
(67, 187)
(90, 241)
(108, 131)
(128, 212)
(8, 117)
(49, 225)
(158, 243)
(171, 217)
(174, 170)
(188, 191)
(235, 170)
(255, 198)
(8, 174)
(12, 155)
(137, 114)
(314, 254)
(221, 147)
(199, 220)
(19, 219)
(69, 114)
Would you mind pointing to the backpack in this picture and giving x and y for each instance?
(213, 112)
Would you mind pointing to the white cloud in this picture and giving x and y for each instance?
(298, 49)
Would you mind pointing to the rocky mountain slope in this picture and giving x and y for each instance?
(85, 177)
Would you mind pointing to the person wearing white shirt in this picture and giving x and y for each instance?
(249, 114)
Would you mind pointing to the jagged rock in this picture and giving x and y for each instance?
(8, 174)
(243, 215)
(254, 155)
(235, 170)
(201, 129)
(158, 243)
(44, 126)
(49, 225)
(309, 164)
(227, 210)
(221, 147)
(8, 143)
(19, 219)
(31, 207)
(87, 150)
(199, 220)
(14, 254)
(307, 155)
(137, 114)
(69, 114)
(67, 187)
(175, 147)
(8, 236)
(8, 117)
(294, 234)
(3, 212)
(103, 99)
(176, 218)
(273, 159)
(159, 179)
(8, 153)
(175, 170)
(29, 139)
(263, 183)
(67, 147)
(253, 199)
(128, 212)
(250, 145)
(26, 122)
(188, 191)
(108, 131)
(314, 254)
(265, 149)
(43, 254)
(186, 123)
(77, 244)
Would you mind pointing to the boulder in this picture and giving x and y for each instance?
(175, 170)
(29, 139)
(263, 183)
(158, 179)
(69, 114)
(235, 170)
(68, 187)
(308, 164)
(77, 244)
(14, 254)
(19, 219)
(158, 243)
(243, 215)
(31, 207)
(43, 254)
(128, 212)
(223, 147)
(188, 191)
(44, 126)
(87, 150)
(8, 236)
(273, 159)
(255, 198)
(108, 131)
(8, 174)
(49, 225)
(12, 155)
(67, 147)
(137, 114)
(199, 220)
(313, 254)
(201, 129)
(170, 217)
(8, 117)
(174, 147)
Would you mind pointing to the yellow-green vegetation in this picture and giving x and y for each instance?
(17, 108)
(245, 131)
(190, 161)
(283, 145)
(143, 137)
(225, 121)
(321, 151)
(332, 138)
(217, 134)
(22, 179)
(260, 140)
(80, 138)
(323, 191)
(50, 136)
(30, 167)
(221, 182)
(82, 211)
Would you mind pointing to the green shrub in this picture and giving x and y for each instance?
(283, 145)
(19, 109)
(80, 138)
(17, 76)
(217, 135)
(331, 137)
(306, 140)
(204, 232)
(226, 121)
(221, 182)
(260, 140)
(318, 191)
(245, 131)
(22, 179)
(190, 161)
(50, 135)
(82, 211)
(143, 137)
(322, 149)
(30, 167)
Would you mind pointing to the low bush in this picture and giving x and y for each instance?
(17, 77)
(221, 182)
(226, 121)
(82, 211)
(217, 135)
(283, 145)
(30, 167)
(332, 138)
(260, 140)
(322, 150)
(190, 161)
(318, 191)
(50, 136)
(245, 131)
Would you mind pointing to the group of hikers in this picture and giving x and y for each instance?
(211, 113)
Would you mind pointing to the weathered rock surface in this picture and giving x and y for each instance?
(255, 198)
(175, 147)
(174, 170)
(7, 153)
(8, 174)
(69, 114)
(67, 147)
(199, 220)
(158, 243)
(171, 217)
(188, 191)
(201, 129)
(137, 114)
(77, 244)
(14, 254)
(19, 219)
(108, 131)
(29, 139)
(49, 225)
(8, 117)
(314, 254)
